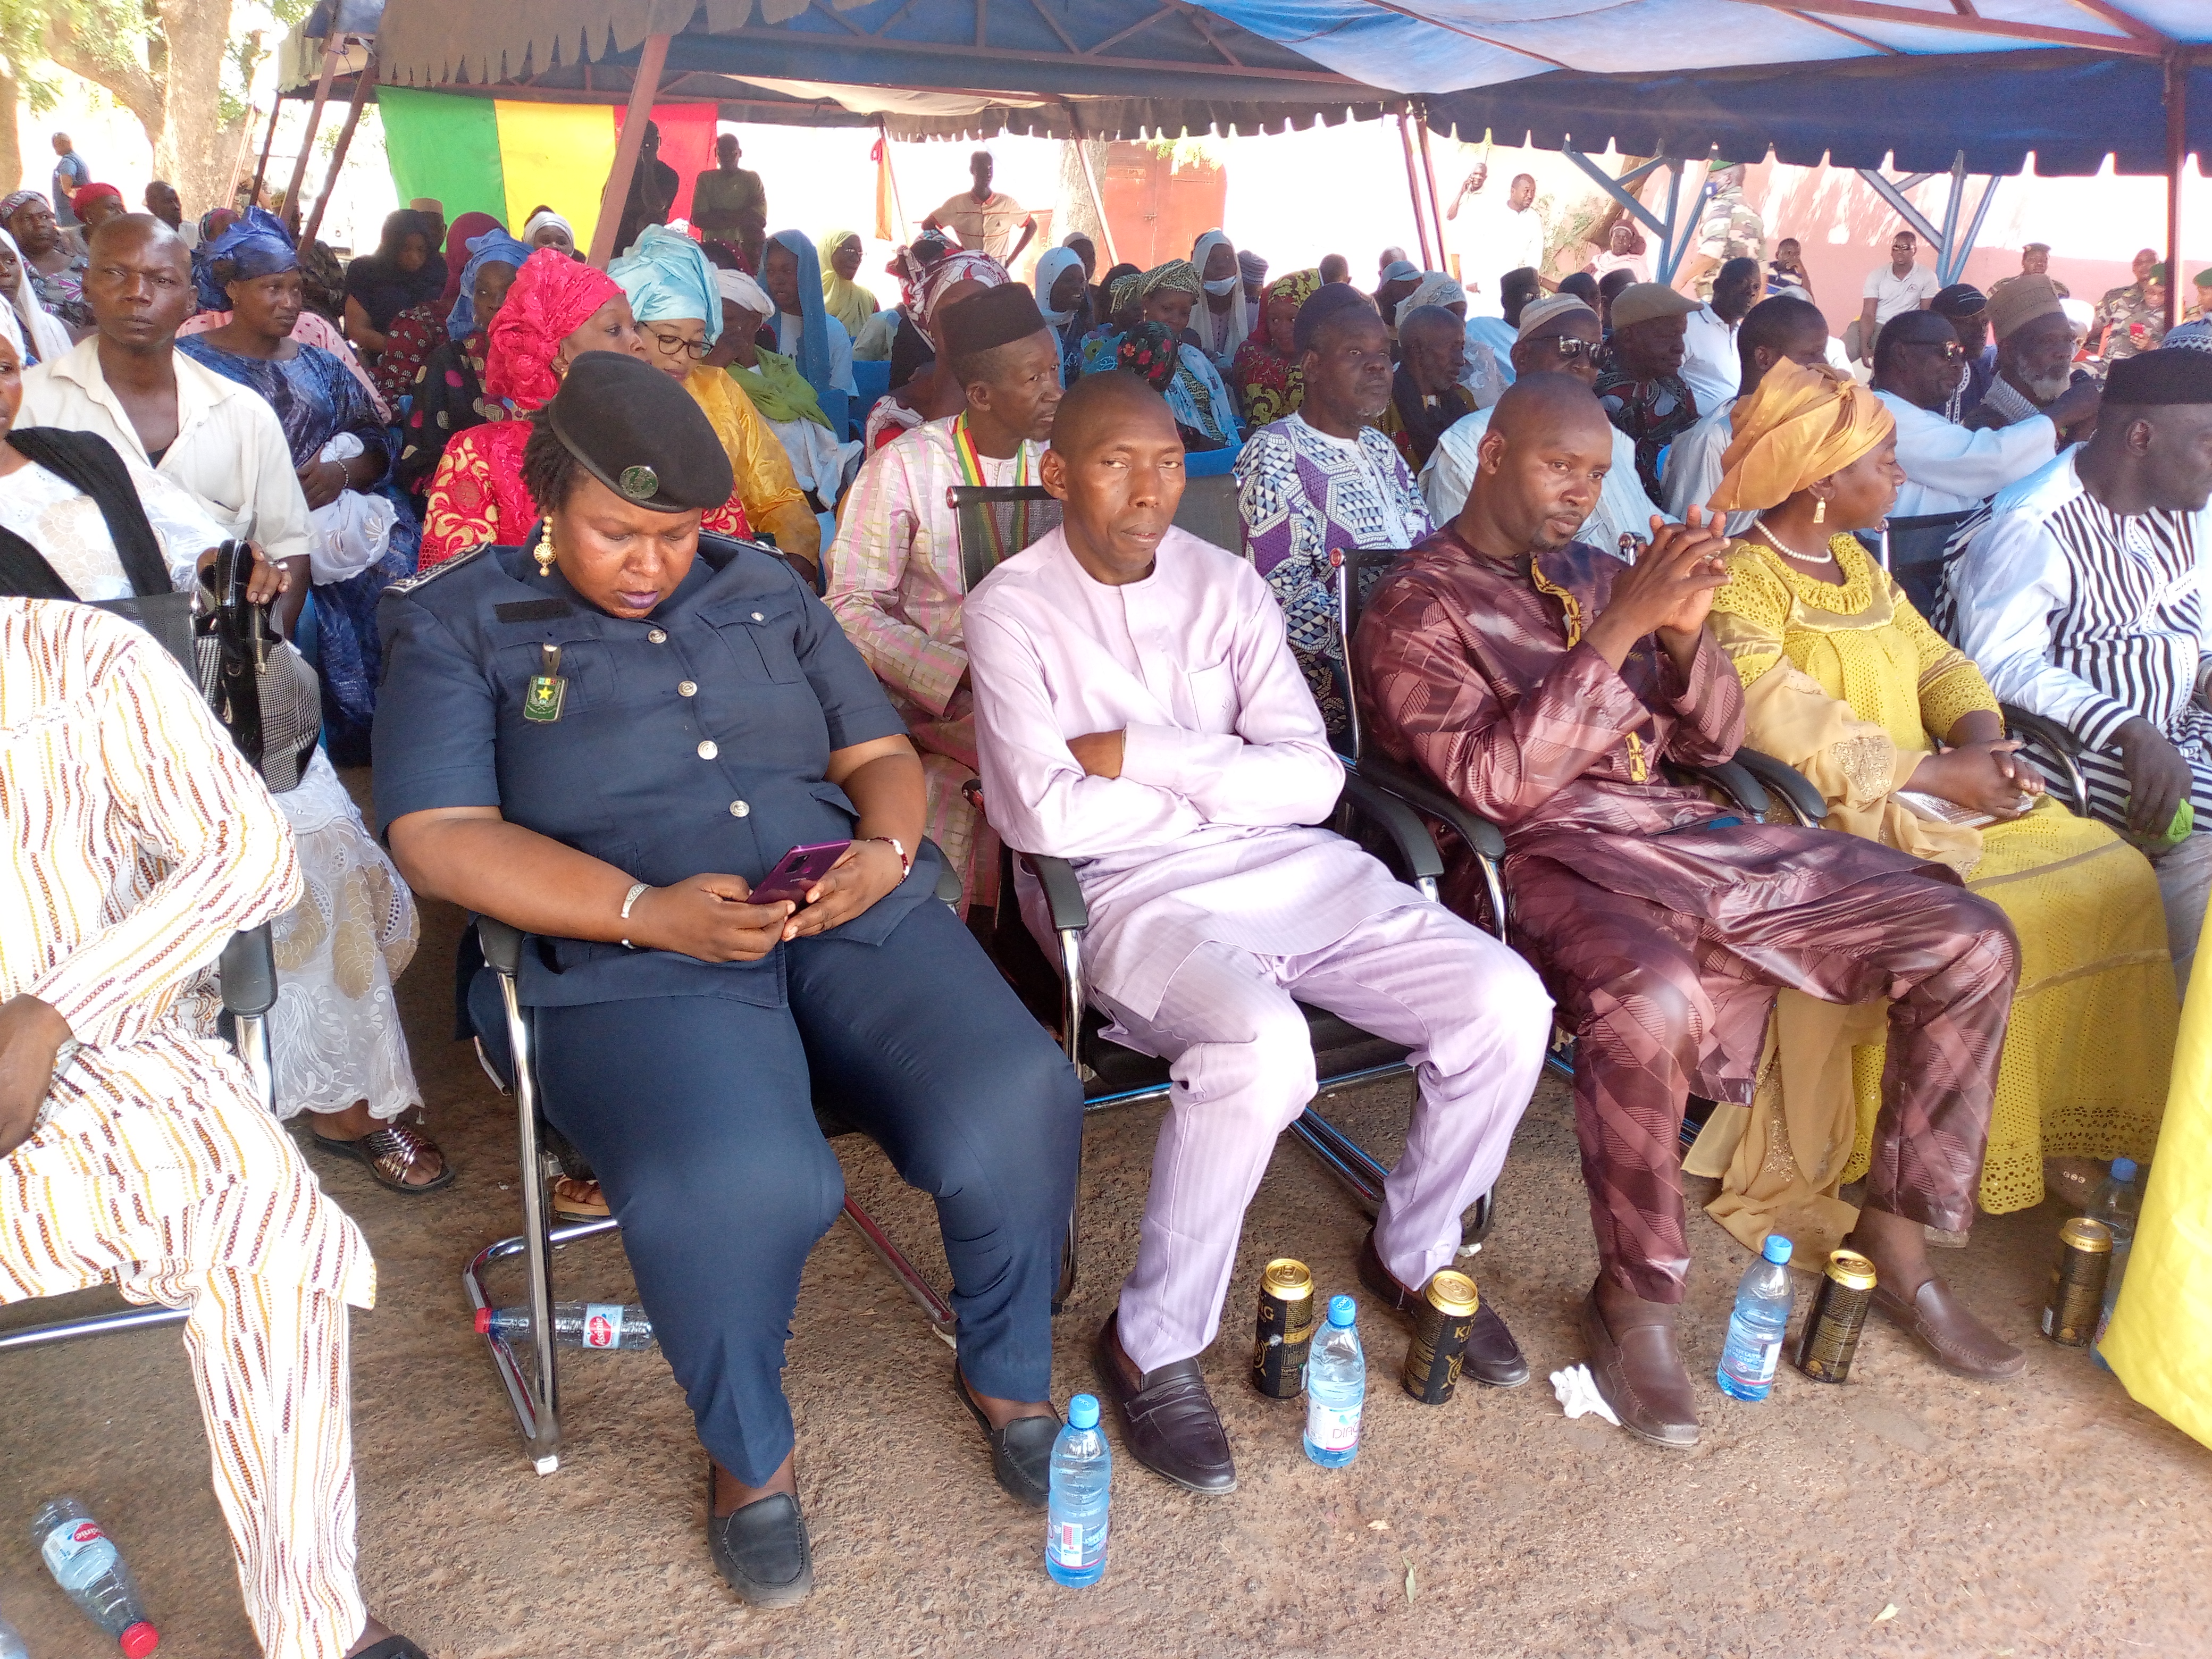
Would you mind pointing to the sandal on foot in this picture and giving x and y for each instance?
(390, 1152)
(393, 1647)
(580, 1200)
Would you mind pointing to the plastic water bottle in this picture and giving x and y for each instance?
(2117, 1204)
(12, 1645)
(85, 1562)
(1082, 1485)
(1755, 1328)
(1336, 1388)
(575, 1325)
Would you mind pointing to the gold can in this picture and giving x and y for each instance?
(1442, 1320)
(1832, 1330)
(1286, 1329)
(2077, 1282)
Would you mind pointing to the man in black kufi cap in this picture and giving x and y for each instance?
(2079, 596)
(898, 578)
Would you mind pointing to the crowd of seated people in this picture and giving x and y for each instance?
(1900, 1012)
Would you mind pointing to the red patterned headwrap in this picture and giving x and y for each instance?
(553, 296)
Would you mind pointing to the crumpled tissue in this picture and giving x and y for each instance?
(1578, 1393)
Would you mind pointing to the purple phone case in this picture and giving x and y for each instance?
(797, 871)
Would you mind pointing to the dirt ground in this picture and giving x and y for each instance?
(1908, 1512)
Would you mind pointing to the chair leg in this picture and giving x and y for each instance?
(542, 1428)
(1072, 1242)
(933, 1306)
(514, 1373)
(1350, 1164)
(252, 1036)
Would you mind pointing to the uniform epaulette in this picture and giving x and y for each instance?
(408, 585)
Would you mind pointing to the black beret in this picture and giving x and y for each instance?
(641, 434)
(997, 316)
(2171, 374)
(1960, 300)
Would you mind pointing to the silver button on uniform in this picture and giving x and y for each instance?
(738, 809)
(758, 617)
(708, 750)
(656, 635)
(687, 688)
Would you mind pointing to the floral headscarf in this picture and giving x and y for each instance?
(1176, 274)
(1268, 383)
(9, 203)
(553, 296)
(963, 267)
(1151, 353)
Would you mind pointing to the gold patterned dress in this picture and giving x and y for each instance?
(1846, 681)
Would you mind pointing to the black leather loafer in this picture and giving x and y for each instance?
(1021, 1453)
(1167, 1420)
(1492, 1357)
(761, 1550)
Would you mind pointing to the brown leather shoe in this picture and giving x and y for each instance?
(1492, 1357)
(1941, 1323)
(1167, 1420)
(1640, 1374)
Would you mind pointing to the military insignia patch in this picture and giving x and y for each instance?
(640, 483)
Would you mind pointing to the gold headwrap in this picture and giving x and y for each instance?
(1800, 424)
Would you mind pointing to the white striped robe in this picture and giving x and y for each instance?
(139, 840)
(2089, 618)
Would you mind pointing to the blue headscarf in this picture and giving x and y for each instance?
(813, 354)
(667, 278)
(257, 245)
(494, 248)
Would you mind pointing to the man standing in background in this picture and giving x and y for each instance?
(984, 219)
(72, 172)
(2035, 261)
(731, 204)
(163, 203)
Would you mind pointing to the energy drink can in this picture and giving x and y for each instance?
(1832, 1330)
(2077, 1282)
(1286, 1329)
(1442, 1320)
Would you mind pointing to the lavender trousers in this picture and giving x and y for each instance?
(1477, 1019)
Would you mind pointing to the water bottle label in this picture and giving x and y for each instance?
(1752, 1364)
(1332, 1428)
(1071, 1544)
(73, 1540)
(603, 1324)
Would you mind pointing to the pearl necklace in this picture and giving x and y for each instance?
(1826, 559)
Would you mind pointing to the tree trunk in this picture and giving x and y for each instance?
(193, 149)
(11, 153)
(1074, 209)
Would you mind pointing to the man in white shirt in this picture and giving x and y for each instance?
(1783, 326)
(1708, 353)
(1894, 289)
(1500, 236)
(128, 383)
(1558, 335)
(984, 219)
(1138, 710)
(1948, 468)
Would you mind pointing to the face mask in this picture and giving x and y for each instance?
(1226, 285)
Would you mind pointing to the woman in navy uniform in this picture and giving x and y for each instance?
(605, 737)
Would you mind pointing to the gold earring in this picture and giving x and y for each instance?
(545, 553)
(1820, 516)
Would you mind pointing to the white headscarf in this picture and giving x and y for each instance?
(742, 291)
(537, 222)
(1437, 289)
(23, 315)
(1221, 332)
(1050, 268)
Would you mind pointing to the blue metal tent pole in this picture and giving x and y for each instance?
(2177, 157)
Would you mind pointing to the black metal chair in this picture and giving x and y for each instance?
(246, 973)
(2056, 752)
(508, 1054)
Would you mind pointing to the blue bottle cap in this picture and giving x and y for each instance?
(1777, 1248)
(1341, 1310)
(1083, 1411)
(2123, 1169)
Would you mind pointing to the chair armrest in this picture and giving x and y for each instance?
(2055, 740)
(1063, 895)
(502, 945)
(1479, 833)
(1785, 781)
(1744, 791)
(247, 969)
(948, 879)
(1415, 845)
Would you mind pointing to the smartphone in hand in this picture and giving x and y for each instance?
(796, 872)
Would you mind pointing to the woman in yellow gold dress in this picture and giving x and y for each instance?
(1844, 681)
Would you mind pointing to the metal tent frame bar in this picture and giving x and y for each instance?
(1676, 228)
(1952, 247)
